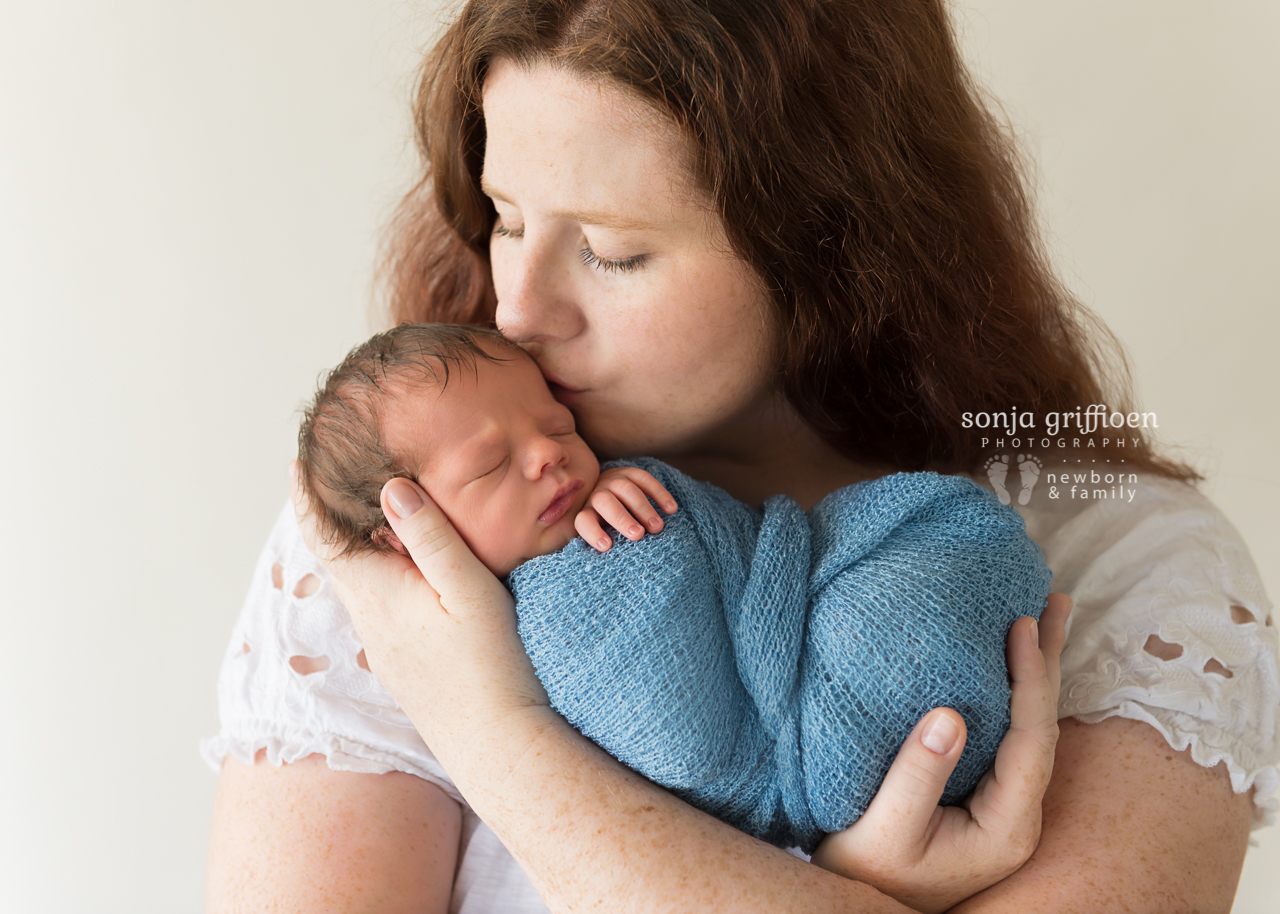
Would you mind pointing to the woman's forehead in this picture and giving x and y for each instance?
(575, 147)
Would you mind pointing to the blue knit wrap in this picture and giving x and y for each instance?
(766, 666)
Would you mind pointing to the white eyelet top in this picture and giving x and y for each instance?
(1171, 627)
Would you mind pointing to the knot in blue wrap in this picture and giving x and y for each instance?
(766, 666)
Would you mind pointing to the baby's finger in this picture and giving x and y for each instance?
(633, 497)
(616, 515)
(649, 484)
(587, 523)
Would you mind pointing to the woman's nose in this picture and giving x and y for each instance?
(535, 291)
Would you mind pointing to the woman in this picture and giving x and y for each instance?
(784, 248)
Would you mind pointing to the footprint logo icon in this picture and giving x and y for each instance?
(1029, 470)
(997, 471)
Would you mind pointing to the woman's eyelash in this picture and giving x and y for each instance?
(589, 257)
(626, 265)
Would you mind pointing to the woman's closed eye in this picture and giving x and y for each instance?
(589, 257)
(609, 265)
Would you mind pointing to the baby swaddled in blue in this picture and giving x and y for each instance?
(766, 666)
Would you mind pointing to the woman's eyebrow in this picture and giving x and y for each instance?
(582, 217)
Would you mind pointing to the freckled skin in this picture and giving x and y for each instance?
(305, 840)
(1111, 840)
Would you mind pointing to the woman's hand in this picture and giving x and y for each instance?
(930, 857)
(455, 663)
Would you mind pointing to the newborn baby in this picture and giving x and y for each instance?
(764, 665)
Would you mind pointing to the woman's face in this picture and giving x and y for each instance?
(612, 270)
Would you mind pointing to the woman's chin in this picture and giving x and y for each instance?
(612, 439)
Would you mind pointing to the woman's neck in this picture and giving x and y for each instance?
(772, 452)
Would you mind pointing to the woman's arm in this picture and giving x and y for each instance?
(1129, 825)
(592, 834)
(303, 837)
(587, 830)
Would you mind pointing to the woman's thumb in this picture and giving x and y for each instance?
(435, 546)
(911, 790)
(420, 526)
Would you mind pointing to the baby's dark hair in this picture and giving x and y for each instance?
(343, 460)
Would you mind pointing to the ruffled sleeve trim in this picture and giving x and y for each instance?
(340, 754)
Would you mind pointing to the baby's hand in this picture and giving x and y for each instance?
(621, 496)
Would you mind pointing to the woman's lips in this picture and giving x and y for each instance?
(554, 381)
(560, 504)
(566, 396)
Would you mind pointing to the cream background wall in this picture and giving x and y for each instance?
(189, 196)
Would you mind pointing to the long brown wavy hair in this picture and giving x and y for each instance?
(857, 170)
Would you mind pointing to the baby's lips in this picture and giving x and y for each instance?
(561, 502)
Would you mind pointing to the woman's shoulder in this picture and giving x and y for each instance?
(1171, 623)
(294, 680)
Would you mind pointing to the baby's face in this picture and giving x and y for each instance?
(500, 457)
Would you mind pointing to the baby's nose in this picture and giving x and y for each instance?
(545, 456)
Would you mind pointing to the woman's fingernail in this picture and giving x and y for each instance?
(404, 499)
(940, 734)
(1035, 633)
(603, 543)
(636, 530)
(654, 523)
(671, 507)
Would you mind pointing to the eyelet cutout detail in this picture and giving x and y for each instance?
(305, 666)
(1159, 648)
(1215, 666)
(1241, 616)
(307, 586)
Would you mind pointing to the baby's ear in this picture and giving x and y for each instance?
(384, 537)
